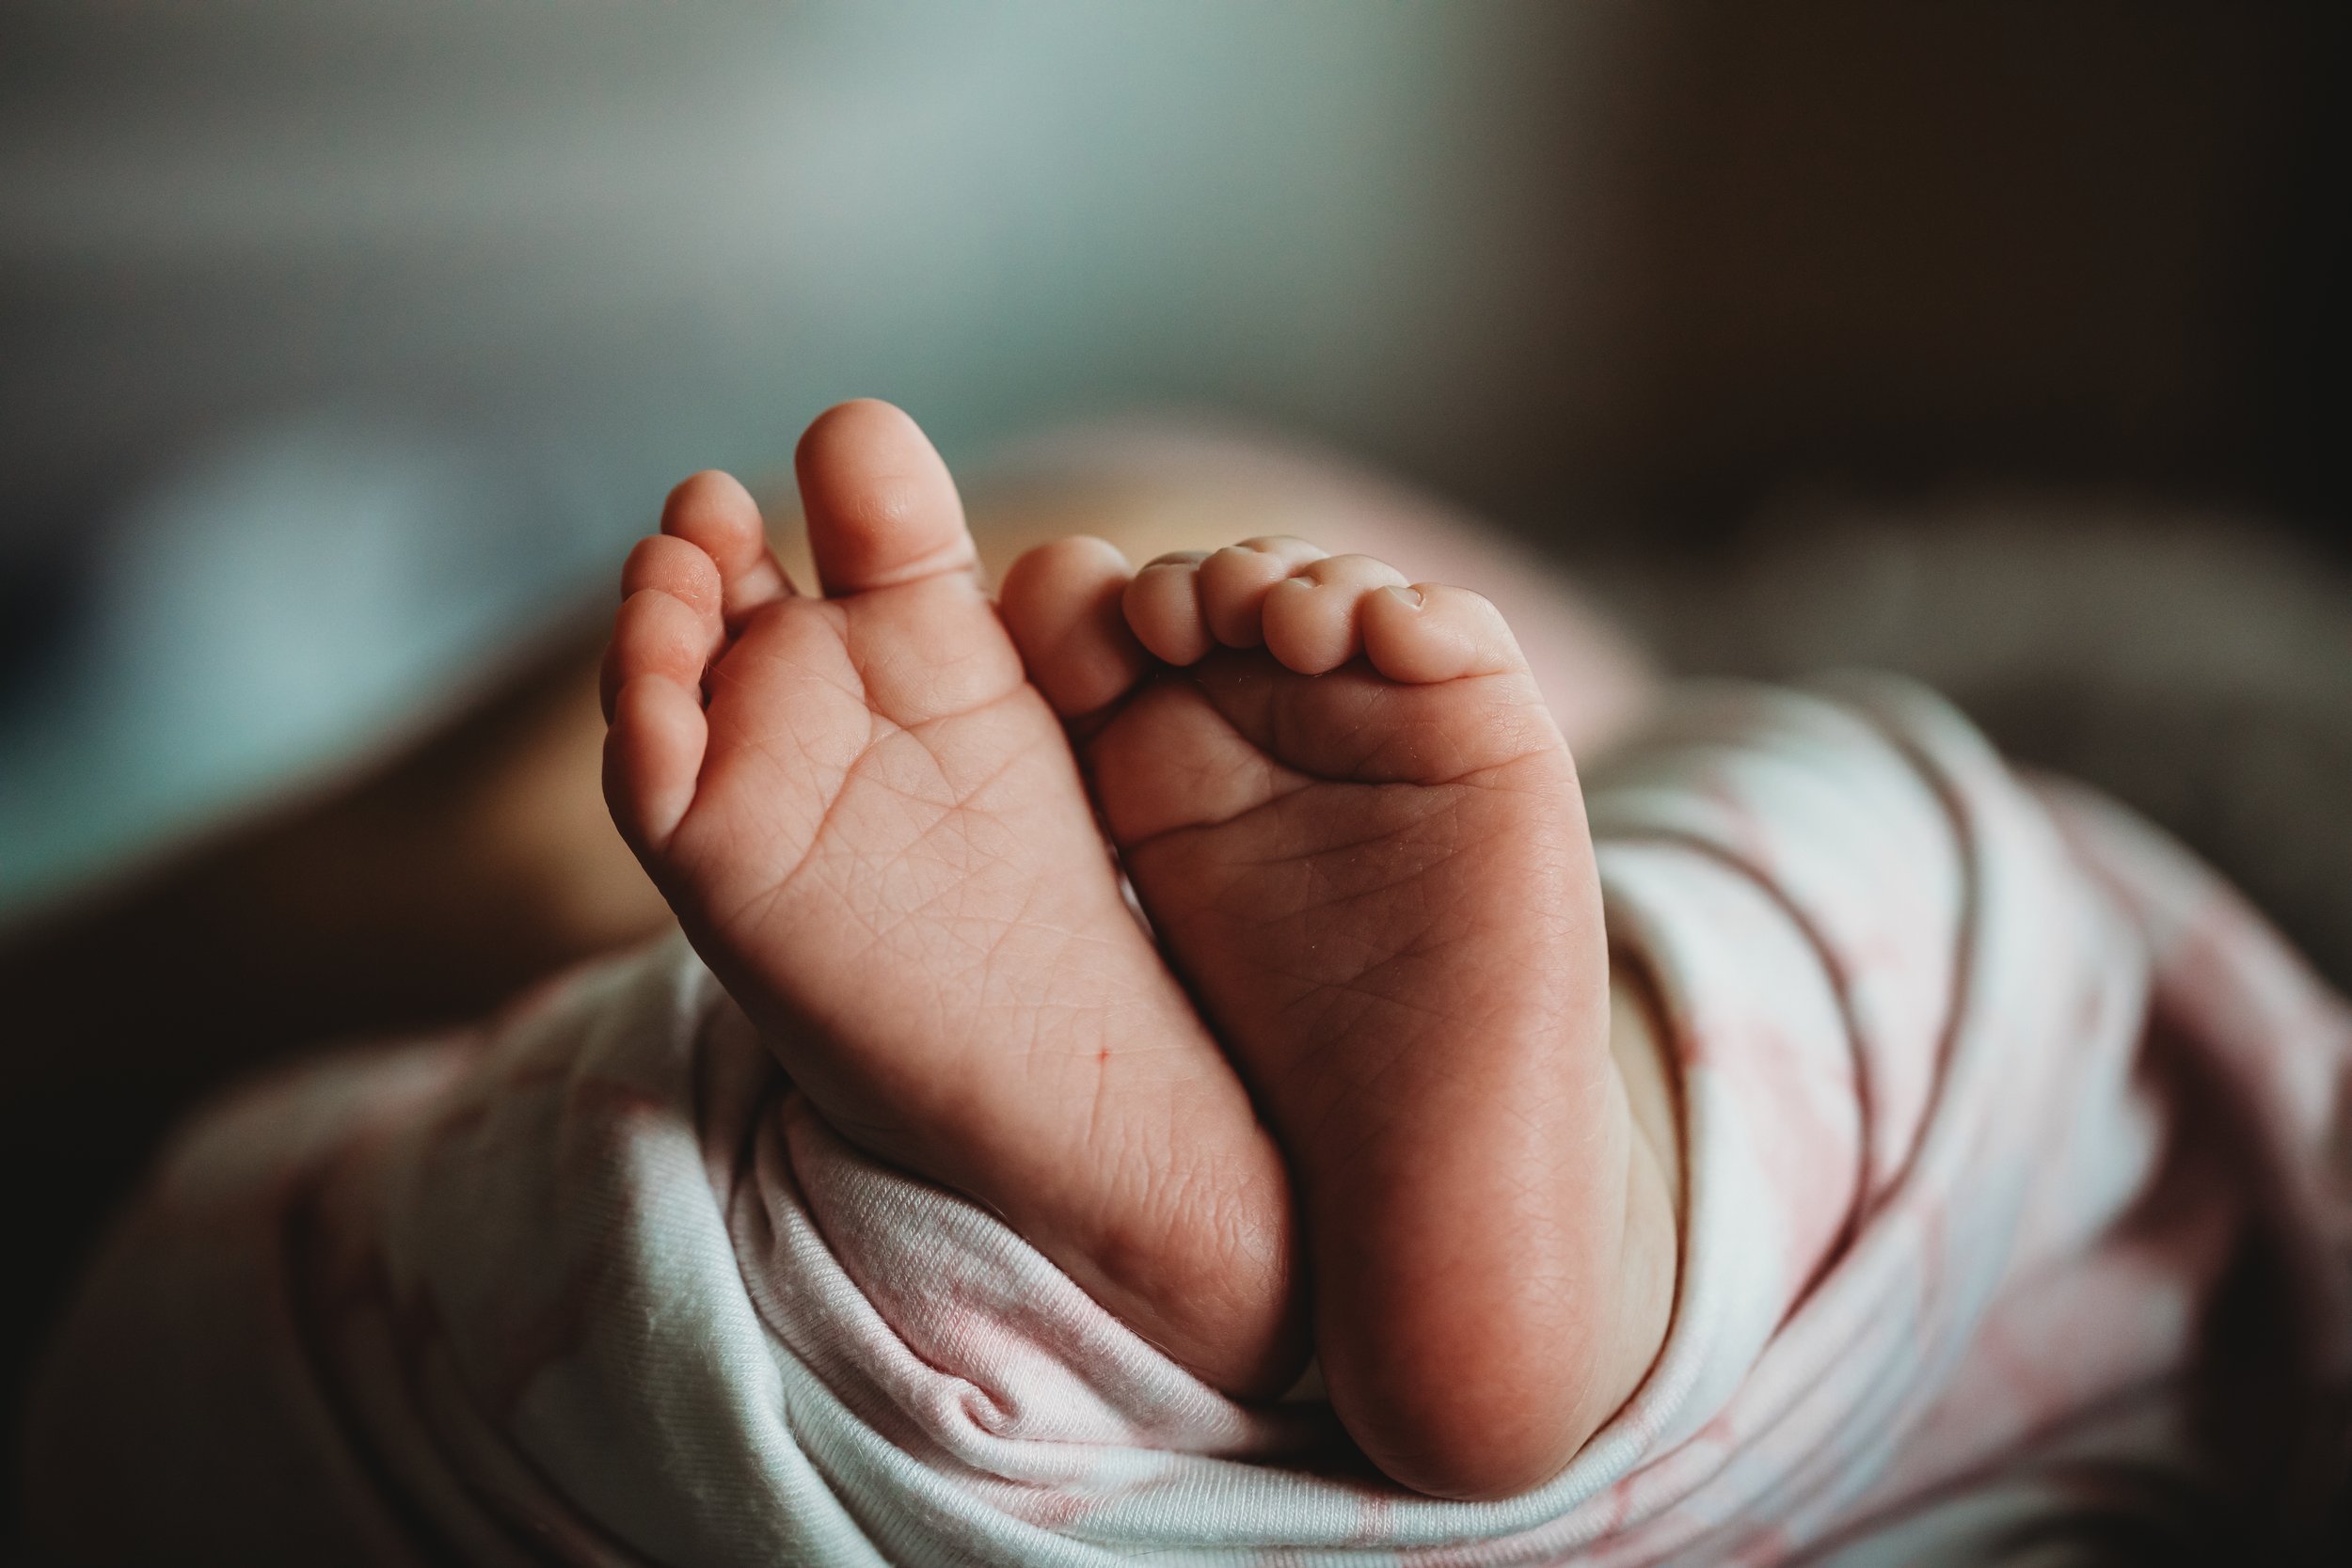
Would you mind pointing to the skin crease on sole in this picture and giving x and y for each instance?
(1356, 829)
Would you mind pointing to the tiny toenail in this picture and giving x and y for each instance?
(1411, 596)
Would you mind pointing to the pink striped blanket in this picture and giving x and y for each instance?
(2015, 1216)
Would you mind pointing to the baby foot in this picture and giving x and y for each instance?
(872, 828)
(1358, 833)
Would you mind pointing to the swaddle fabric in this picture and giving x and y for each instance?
(2009, 1139)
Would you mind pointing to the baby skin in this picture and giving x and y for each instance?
(1366, 1078)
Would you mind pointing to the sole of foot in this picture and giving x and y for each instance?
(871, 826)
(1358, 833)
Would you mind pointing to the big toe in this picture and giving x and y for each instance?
(886, 531)
(1061, 602)
(882, 509)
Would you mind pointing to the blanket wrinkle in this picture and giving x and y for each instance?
(1990, 1097)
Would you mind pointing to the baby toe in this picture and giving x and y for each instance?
(656, 632)
(1430, 632)
(1062, 603)
(712, 512)
(652, 756)
(678, 568)
(1234, 582)
(1163, 608)
(1311, 621)
(882, 509)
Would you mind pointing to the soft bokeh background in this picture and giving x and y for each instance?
(341, 345)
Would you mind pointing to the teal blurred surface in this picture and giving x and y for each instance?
(348, 344)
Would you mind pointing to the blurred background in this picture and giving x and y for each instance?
(345, 346)
(341, 344)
